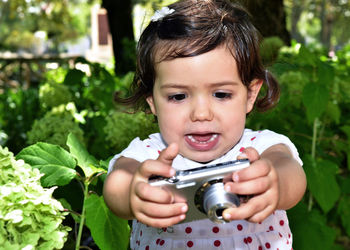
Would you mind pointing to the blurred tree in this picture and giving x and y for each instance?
(319, 21)
(121, 28)
(57, 20)
(269, 18)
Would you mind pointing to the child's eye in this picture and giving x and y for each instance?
(177, 97)
(222, 95)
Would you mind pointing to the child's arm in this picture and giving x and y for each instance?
(128, 194)
(276, 180)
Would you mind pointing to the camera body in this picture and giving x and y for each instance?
(203, 188)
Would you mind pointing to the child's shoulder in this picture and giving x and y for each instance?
(262, 139)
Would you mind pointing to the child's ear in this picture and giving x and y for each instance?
(253, 91)
(150, 102)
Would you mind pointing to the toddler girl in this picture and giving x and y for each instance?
(200, 73)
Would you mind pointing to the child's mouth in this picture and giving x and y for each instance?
(202, 142)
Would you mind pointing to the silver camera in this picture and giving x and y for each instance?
(203, 188)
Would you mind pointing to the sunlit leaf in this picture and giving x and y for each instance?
(108, 231)
(86, 161)
(52, 160)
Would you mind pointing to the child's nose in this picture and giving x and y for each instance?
(201, 110)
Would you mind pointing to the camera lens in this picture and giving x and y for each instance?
(216, 200)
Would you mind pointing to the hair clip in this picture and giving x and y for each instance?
(160, 14)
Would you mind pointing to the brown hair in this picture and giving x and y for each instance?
(196, 27)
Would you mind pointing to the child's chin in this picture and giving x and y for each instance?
(202, 157)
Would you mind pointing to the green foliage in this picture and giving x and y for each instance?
(54, 128)
(60, 21)
(54, 94)
(121, 128)
(108, 231)
(313, 112)
(18, 110)
(29, 217)
(59, 168)
(269, 49)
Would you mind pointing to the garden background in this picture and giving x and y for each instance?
(57, 114)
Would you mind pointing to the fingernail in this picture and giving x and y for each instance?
(172, 172)
(242, 156)
(227, 188)
(227, 216)
(184, 209)
(182, 216)
(235, 177)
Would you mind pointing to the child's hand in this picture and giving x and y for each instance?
(155, 206)
(259, 180)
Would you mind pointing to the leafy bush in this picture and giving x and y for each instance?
(122, 128)
(54, 128)
(269, 49)
(29, 217)
(313, 112)
(61, 167)
(54, 94)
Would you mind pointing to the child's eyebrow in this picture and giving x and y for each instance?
(184, 86)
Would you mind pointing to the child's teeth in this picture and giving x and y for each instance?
(212, 138)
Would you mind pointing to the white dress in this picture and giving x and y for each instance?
(272, 233)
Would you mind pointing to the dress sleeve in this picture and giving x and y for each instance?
(140, 150)
(135, 150)
(264, 139)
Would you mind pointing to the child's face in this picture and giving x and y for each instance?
(201, 103)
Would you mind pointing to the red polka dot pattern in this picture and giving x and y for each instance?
(217, 243)
(190, 243)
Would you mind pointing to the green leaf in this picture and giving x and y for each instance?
(344, 212)
(52, 160)
(86, 161)
(107, 230)
(310, 230)
(325, 73)
(321, 177)
(315, 99)
(73, 77)
(333, 111)
(307, 57)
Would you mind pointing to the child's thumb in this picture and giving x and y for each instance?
(168, 154)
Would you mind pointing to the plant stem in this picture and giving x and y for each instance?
(314, 139)
(82, 218)
(313, 155)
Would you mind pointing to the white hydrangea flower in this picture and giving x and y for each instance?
(160, 14)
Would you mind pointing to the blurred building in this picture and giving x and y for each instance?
(101, 40)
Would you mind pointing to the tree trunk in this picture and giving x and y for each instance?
(269, 18)
(326, 25)
(121, 28)
(297, 8)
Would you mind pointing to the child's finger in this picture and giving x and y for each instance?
(251, 187)
(155, 167)
(249, 153)
(255, 170)
(160, 222)
(168, 154)
(154, 210)
(147, 192)
(245, 211)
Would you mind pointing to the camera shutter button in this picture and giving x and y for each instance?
(173, 179)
